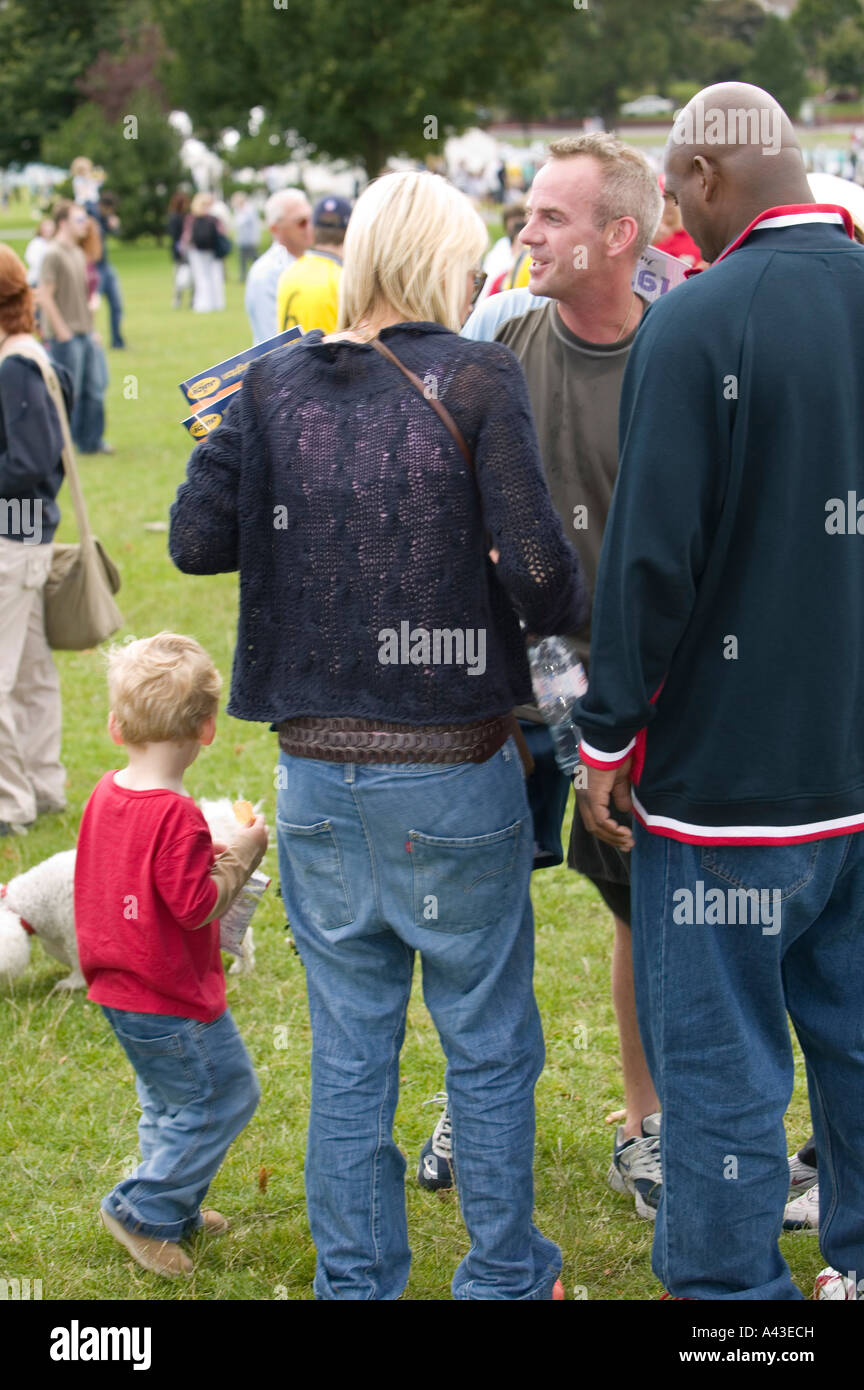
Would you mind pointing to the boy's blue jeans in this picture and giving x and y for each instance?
(712, 1001)
(197, 1090)
(377, 862)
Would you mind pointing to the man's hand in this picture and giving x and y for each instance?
(594, 804)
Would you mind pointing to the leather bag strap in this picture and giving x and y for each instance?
(440, 410)
(36, 353)
(447, 420)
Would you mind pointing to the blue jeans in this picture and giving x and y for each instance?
(85, 361)
(377, 862)
(712, 1002)
(197, 1091)
(109, 285)
(548, 790)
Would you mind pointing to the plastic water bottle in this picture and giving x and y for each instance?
(559, 679)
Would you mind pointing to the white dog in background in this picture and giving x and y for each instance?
(40, 903)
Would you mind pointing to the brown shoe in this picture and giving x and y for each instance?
(214, 1223)
(159, 1256)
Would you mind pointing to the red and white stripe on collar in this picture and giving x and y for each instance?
(787, 215)
(792, 215)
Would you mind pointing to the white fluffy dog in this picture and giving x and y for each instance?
(40, 903)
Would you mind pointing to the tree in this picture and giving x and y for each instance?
(358, 81)
(724, 38)
(139, 151)
(816, 20)
(45, 48)
(617, 45)
(843, 55)
(777, 64)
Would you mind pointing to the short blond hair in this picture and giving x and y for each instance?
(629, 187)
(161, 688)
(410, 244)
(201, 204)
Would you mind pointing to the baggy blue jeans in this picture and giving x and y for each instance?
(197, 1090)
(712, 1000)
(377, 862)
(84, 359)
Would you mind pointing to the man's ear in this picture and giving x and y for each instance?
(707, 175)
(114, 729)
(624, 233)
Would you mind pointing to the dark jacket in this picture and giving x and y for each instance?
(724, 584)
(31, 469)
(348, 509)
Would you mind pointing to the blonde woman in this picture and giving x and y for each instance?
(379, 638)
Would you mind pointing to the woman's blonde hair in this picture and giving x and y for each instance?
(162, 688)
(411, 241)
(201, 204)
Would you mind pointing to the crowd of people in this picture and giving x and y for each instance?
(556, 457)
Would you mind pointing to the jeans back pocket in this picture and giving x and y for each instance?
(460, 884)
(316, 867)
(164, 1064)
(783, 869)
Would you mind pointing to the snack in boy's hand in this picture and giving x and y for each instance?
(244, 811)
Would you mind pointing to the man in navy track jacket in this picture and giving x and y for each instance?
(727, 689)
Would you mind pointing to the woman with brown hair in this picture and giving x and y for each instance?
(32, 778)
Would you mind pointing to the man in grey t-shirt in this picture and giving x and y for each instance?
(63, 298)
(593, 209)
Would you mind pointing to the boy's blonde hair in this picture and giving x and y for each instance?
(162, 688)
(410, 244)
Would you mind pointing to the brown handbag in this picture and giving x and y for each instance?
(450, 424)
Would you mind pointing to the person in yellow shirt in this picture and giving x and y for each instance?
(308, 293)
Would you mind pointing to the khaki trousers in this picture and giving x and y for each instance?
(32, 778)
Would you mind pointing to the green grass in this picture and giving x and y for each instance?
(68, 1113)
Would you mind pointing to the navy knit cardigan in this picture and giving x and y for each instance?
(357, 527)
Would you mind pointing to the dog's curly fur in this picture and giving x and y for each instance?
(44, 897)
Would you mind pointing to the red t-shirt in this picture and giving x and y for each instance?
(682, 245)
(142, 886)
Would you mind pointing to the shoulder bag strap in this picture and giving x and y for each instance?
(30, 348)
(446, 418)
(440, 410)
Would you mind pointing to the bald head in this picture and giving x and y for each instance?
(732, 153)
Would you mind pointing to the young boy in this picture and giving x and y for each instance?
(150, 886)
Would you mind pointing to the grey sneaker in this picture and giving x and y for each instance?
(635, 1167)
(802, 1214)
(801, 1177)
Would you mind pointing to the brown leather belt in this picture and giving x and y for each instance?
(345, 740)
